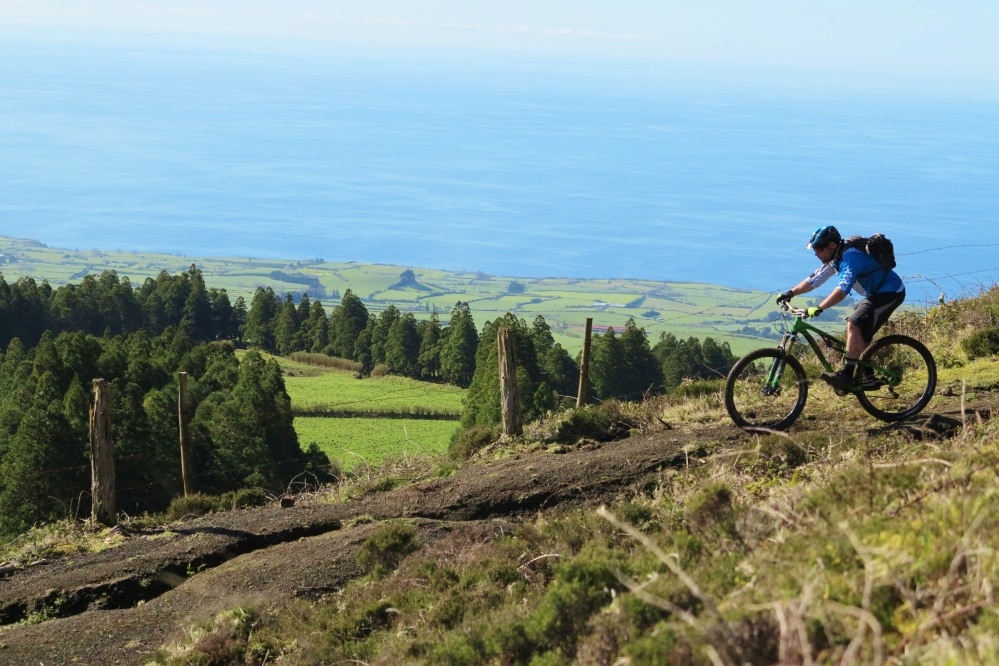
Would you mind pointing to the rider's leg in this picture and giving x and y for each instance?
(867, 318)
(856, 343)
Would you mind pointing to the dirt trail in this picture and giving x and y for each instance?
(118, 606)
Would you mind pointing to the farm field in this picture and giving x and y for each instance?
(358, 421)
(339, 391)
(355, 441)
(740, 317)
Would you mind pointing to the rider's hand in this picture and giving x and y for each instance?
(785, 297)
(813, 311)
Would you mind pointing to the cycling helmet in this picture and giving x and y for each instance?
(823, 236)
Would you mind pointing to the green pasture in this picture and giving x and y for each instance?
(364, 440)
(681, 308)
(336, 390)
(352, 441)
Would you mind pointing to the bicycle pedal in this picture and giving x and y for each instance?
(840, 392)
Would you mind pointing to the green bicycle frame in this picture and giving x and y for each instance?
(876, 376)
(806, 330)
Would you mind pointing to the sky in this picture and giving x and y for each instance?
(936, 38)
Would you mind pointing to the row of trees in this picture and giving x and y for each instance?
(107, 304)
(241, 422)
(623, 364)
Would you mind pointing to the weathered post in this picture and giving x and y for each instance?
(583, 396)
(102, 480)
(509, 402)
(185, 447)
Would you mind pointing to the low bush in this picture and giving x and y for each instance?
(982, 343)
(467, 441)
(190, 506)
(384, 549)
(243, 498)
(604, 423)
(327, 361)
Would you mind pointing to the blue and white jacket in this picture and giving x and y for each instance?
(858, 270)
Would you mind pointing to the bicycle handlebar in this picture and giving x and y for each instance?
(797, 312)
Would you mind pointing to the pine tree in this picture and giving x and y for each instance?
(381, 332)
(402, 349)
(346, 322)
(459, 346)
(287, 336)
(315, 329)
(429, 358)
(43, 470)
(198, 307)
(606, 362)
(642, 374)
(259, 328)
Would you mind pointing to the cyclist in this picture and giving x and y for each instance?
(882, 289)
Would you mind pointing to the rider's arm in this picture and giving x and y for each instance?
(822, 273)
(834, 298)
(802, 287)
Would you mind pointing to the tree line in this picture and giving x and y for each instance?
(53, 342)
(240, 423)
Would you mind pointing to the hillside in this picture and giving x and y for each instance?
(120, 604)
(843, 541)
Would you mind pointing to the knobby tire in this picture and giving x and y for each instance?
(747, 401)
(918, 372)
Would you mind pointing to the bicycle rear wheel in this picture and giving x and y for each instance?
(898, 376)
(766, 389)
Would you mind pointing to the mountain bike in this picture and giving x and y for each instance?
(768, 388)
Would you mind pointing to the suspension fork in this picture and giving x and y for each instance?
(777, 367)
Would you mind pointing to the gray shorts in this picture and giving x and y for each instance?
(872, 312)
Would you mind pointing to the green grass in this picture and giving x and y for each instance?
(334, 390)
(370, 440)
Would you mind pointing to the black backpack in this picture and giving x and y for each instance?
(877, 246)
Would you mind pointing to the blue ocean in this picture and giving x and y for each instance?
(515, 168)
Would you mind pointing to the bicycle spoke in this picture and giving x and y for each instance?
(754, 396)
(899, 376)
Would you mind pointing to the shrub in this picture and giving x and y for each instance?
(384, 549)
(220, 640)
(467, 441)
(197, 504)
(327, 361)
(982, 343)
(698, 388)
(711, 514)
(243, 498)
(604, 423)
(777, 457)
(581, 588)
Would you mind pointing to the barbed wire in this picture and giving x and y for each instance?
(946, 247)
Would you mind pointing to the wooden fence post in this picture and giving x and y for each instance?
(185, 447)
(509, 401)
(102, 480)
(583, 396)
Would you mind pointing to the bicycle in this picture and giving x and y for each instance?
(897, 377)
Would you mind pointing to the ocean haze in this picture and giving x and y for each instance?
(518, 168)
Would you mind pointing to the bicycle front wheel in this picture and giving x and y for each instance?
(766, 389)
(898, 377)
